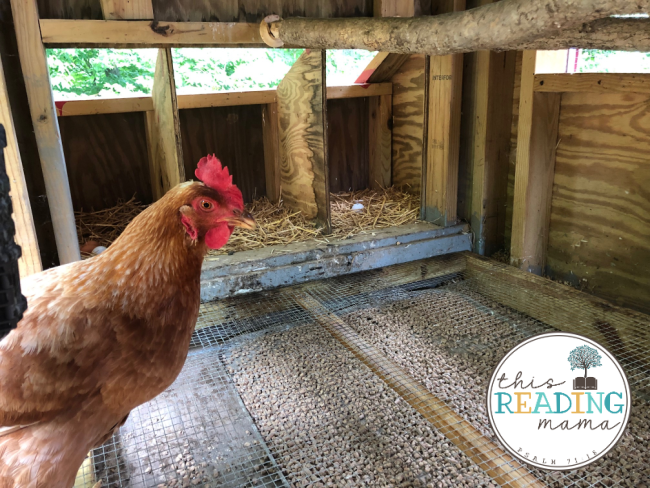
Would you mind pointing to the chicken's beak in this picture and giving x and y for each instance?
(244, 220)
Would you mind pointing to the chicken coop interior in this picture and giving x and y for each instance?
(413, 227)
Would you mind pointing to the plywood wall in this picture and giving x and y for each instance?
(347, 143)
(600, 218)
(234, 134)
(106, 158)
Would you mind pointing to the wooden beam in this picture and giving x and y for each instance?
(163, 129)
(593, 82)
(202, 100)
(302, 112)
(46, 128)
(536, 144)
(127, 9)
(440, 174)
(380, 137)
(30, 260)
(111, 33)
(393, 8)
(271, 137)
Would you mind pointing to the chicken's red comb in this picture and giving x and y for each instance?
(212, 173)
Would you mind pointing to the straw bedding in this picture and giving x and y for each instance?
(277, 224)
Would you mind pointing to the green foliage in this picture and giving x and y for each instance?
(110, 72)
(596, 61)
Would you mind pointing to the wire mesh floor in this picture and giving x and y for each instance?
(286, 388)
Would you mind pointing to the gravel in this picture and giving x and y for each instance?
(451, 342)
(329, 421)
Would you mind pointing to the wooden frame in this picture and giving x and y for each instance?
(592, 82)
(226, 99)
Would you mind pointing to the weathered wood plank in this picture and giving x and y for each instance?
(380, 141)
(163, 129)
(443, 139)
(536, 144)
(30, 260)
(48, 139)
(488, 82)
(111, 33)
(66, 108)
(599, 235)
(512, 158)
(127, 9)
(302, 113)
(593, 82)
(408, 123)
(271, 151)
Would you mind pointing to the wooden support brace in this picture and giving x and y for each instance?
(163, 129)
(46, 128)
(271, 137)
(30, 260)
(302, 115)
(539, 115)
(380, 141)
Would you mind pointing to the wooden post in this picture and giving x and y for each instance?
(30, 260)
(271, 150)
(46, 128)
(127, 9)
(489, 114)
(380, 141)
(163, 129)
(536, 144)
(302, 115)
(440, 173)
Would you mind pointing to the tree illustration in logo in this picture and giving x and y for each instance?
(584, 357)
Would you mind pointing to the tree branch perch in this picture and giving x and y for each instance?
(501, 26)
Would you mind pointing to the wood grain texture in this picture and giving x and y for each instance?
(488, 81)
(70, 9)
(443, 139)
(48, 139)
(393, 8)
(143, 33)
(498, 464)
(127, 9)
(600, 218)
(302, 115)
(30, 259)
(348, 144)
(380, 138)
(536, 144)
(512, 158)
(256, 10)
(271, 136)
(593, 82)
(235, 136)
(163, 129)
(408, 123)
(106, 157)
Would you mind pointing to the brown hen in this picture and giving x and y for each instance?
(102, 336)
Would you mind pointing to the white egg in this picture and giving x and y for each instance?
(99, 250)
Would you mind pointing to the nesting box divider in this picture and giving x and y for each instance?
(271, 150)
(302, 115)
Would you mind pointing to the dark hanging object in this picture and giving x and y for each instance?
(12, 302)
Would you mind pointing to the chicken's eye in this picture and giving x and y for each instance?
(205, 205)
